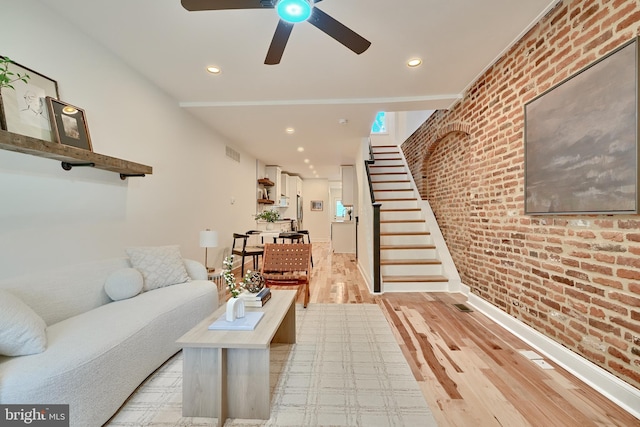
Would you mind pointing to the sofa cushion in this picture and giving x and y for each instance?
(22, 331)
(123, 283)
(160, 265)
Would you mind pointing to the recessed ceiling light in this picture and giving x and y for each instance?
(214, 70)
(310, 166)
(300, 149)
(289, 130)
(414, 62)
(306, 160)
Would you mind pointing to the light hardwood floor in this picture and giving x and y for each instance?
(469, 368)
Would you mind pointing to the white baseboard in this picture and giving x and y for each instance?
(610, 386)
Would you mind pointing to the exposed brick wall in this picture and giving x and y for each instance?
(574, 278)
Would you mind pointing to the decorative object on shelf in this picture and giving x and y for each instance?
(581, 140)
(23, 108)
(316, 205)
(69, 124)
(269, 215)
(208, 239)
(255, 282)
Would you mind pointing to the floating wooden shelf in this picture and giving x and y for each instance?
(70, 156)
(265, 201)
(266, 182)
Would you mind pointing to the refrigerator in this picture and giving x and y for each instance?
(299, 213)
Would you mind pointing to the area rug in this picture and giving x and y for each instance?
(346, 369)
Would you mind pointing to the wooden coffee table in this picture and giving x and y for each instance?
(226, 373)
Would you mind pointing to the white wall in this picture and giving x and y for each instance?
(317, 222)
(50, 217)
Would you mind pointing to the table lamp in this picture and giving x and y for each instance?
(208, 239)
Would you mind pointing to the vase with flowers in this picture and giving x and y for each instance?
(235, 305)
(269, 215)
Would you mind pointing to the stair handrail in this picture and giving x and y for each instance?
(377, 279)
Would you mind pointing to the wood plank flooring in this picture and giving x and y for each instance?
(469, 368)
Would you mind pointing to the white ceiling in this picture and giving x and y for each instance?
(318, 81)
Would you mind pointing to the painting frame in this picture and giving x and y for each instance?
(317, 205)
(23, 109)
(581, 140)
(69, 124)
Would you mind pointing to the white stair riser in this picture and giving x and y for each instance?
(394, 177)
(389, 194)
(401, 185)
(399, 204)
(386, 169)
(415, 287)
(389, 162)
(419, 239)
(390, 254)
(411, 270)
(402, 215)
(402, 226)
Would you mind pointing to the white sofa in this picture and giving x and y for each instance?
(98, 350)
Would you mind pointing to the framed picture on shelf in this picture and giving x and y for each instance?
(69, 124)
(23, 109)
(316, 205)
(581, 140)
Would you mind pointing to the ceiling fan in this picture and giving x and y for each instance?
(290, 12)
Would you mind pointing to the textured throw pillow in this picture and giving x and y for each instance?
(124, 283)
(22, 331)
(160, 265)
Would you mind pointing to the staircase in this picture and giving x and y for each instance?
(408, 258)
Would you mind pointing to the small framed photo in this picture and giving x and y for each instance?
(23, 109)
(69, 124)
(316, 205)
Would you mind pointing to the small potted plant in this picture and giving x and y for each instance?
(270, 216)
(235, 305)
(7, 78)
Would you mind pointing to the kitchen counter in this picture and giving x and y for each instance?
(343, 237)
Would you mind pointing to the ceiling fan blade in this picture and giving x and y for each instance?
(278, 43)
(338, 31)
(195, 5)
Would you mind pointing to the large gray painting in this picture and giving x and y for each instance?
(581, 141)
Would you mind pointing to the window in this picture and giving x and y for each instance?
(380, 123)
(340, 210)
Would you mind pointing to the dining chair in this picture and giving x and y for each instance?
(291, 236)
(306, 233)
(241, 248)
(288, 264)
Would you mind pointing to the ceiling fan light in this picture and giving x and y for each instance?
(294, 10)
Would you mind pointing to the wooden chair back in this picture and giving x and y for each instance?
(288, 264)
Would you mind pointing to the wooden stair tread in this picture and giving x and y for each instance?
(400, 210)
(389, 173)
(405, 247)
(386, 166)
(393, 189)
(400, 279)
(391, 182)
(399, 199)
(410, 262)
(399, 221)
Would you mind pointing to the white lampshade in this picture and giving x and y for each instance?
(208, 239)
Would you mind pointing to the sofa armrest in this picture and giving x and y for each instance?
(195, 270)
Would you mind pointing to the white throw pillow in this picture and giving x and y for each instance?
(22, 331)
(160, 265)
(124, 283)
